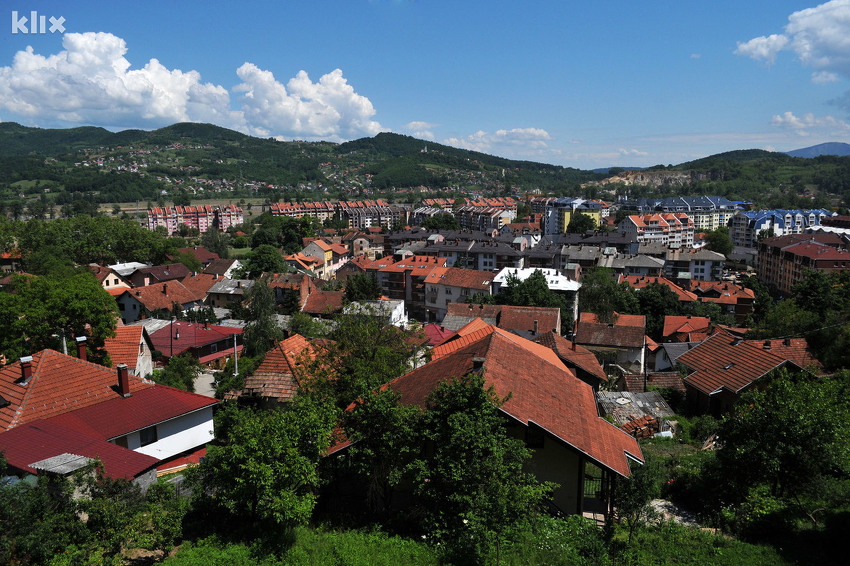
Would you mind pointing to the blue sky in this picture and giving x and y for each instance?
(590, 84)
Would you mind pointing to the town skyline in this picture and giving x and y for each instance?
(584, 87)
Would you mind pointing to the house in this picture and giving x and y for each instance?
(275, 381)
(522, 320)
(224, 268)
(227, 291)
(296, 287)
(546, 405)
(324, 303)
(445, 285)
(210, 344)
(686, 328)
(109, 278)
(354, 266)
(140, 302)
(642, 382)
(621, 342)
(724, 366)
(555, 280)
(132, 347)
(305, 263)
(783, 261)
(199, 285)
(65, 405)
(145, 276)
(581, 361)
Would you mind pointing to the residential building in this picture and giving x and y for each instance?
(276, 380)
(746, 227)
(132, 347)
(141, 302)
(783, 261)
(203, 217)
(151, 275)
(210, 344)
(524, 321)
(227, 291)
(621, 342)
(109, 278)
(445, 285)
(673, 229)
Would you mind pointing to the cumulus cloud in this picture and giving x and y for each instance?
(520, 142)
(809, 124)
(819, 36)
(421, 130)
(91, 81)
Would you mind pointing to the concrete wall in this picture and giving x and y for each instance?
(177, 435)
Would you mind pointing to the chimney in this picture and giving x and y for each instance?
(123, 380)
(787, 341)
(165, 288)
(26, 369)
(574, 345)
(536, 325)
(81, 347)
(478, 363)
(766, 345)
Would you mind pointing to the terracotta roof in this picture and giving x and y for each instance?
(459, 315)
(685, 325)
(42, 439)
(124, 347)
(628, 331)
(324, 302)
(573, 355)
(100, 272)
(664, 379)
(540, 393)
(458, 277)
(795, 350)
(199, 284)
(641, 281)
(277, 376)
(524, 318)
(476, 329)
(58, 384)
(436, 334)
(726, 362)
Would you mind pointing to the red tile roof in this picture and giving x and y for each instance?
(324, 302)
(124, 347)
(664, 380)
(191, 335)
(573, 355)
(119, 416)
(524, 318)
(59, 384)
(628, 331)
(436, 334)
(726, 362)
(162, 295)
(165, 272)
(641, 281)
(463, 278)
(199, 285)
(538, 391)
(203, 255)
(685, 325)
(277, 376)
(42, 439)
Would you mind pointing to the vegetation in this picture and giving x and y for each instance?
(180, 372)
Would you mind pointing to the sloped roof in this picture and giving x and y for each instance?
(162, 295)
(219, 266)
(628, 331)
(324, 302)
(58, 384)
(203, 255)
(539, 391)
(42, 439)
(459, 315)
(119, 416)
(726, 362)
(523, 318)
(477, 329)
(685, 324)
(663, 379)
(458, 277)
(794, 349)
(277, 376)
(199, 284)
(641, 281)
(124, 347)
(572, 354)
(191, 335)
(166, 272)
(436, 333)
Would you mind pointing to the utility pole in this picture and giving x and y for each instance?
(235, 357)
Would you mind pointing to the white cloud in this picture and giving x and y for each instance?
(516, 142)
(823, 77)
(809, 124)
(91, 81)
(819, 37)
(695, 55)
(421, 130)
(632, 152)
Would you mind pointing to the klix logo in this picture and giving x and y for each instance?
(37, 24)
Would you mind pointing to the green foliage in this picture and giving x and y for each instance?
(441, 222)
(36, 311)
(180, 372)
(532, 292)
(719, 241)
(361, 287)
(472, 490)
(262, 330)
(227, 379)
(217, 242)
(265, 258)
(656, 301)
(305, 325)
(603, 296)
(581, 223)
(632, 496)
(283, 232)
(263, 468)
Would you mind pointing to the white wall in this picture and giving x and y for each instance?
(177, 435)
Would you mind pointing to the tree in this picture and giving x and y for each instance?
(262, 330)
(36, 312)
(217, 242)
(656, 301)
(441, 222)
(790, 437)
(180, 372)
(473, 488)
(361, 287)
(262, 468)
(534, 291)
(632, 496)
(719, 241)
(264, 259)
(523, 210)
(581, 223)
(602, 295)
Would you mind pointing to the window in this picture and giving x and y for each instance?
(122, 442)
(213, 348)
(147, 436)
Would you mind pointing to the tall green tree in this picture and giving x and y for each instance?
(581, 223)
(441, 221)
(472, 489)
(602, 295)
(264, 259)
(361, 287)
(262, 468)
(180, 372)
(262, 330)
(36, 312)
(719, 241)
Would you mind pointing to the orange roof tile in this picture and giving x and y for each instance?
(124, 347)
